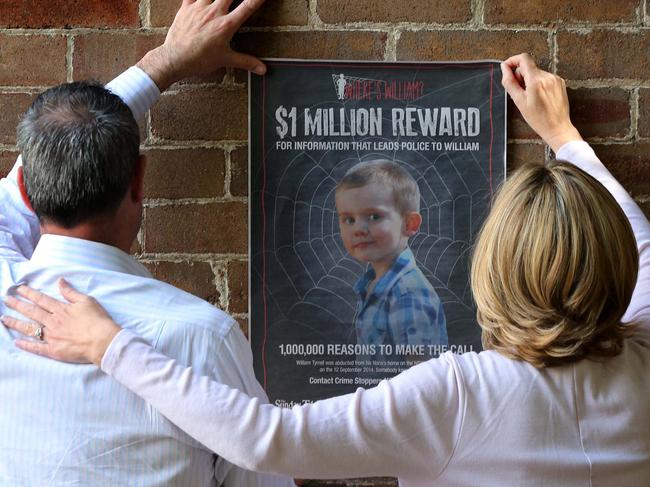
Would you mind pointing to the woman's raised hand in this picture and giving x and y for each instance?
(78, 331)
(541, 98)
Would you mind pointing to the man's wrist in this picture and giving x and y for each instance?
(157, 66)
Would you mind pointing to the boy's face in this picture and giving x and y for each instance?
(372, 228)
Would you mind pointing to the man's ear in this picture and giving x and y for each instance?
(412, 223)
(23, 191)
(137, 184)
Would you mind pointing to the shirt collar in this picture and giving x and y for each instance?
(403, 262)
(69, 251)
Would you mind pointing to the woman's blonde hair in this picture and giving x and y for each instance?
(554, 268)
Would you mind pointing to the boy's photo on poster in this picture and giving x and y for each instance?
(378, 208)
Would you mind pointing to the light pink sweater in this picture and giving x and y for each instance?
(460, 420)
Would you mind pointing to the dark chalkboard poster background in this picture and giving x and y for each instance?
(302, 301)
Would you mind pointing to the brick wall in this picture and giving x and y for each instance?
(194, 232)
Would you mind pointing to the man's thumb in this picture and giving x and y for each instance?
(247, 62)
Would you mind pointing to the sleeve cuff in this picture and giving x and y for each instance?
(136, 89)
(579, 153)
(115, 350)
(571, 148)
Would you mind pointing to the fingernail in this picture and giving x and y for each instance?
(259, 70)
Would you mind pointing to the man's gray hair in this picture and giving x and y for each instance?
(79, 144)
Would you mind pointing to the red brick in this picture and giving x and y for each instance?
(555, 11)
(433, 11)
(185, 173)
(103, 56)
(243, 325)
(162, 12)
(519, 154)
(603, 54)
(278, 12)
(144, 133)
(629, 163)
(12, 106)
(196, 278)
(202, 114)
(238, 286)
(235, 75)
(314, 44)
(32, 14)
(136, 248)
(216, 77)
(239, 172)
(644, 112)
(457, 45)
(281, 12)
(7, 161)
(32, 60)
(600, 112)
(196, 228)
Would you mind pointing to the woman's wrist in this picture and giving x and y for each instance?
(557, 140)
(99, 346)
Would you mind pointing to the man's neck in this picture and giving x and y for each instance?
(91, 232)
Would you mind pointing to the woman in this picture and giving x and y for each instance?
(559, 397)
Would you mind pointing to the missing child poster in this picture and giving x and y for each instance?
(368, 185)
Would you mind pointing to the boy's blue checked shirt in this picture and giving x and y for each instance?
(403, 308)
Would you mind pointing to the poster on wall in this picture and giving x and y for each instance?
(369, 182)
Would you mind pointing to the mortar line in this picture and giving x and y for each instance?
(162, 144)
(220, 282)
(554, 50)
(160, 202)
(191, 257)
(478, 13)
(390, 51)
(69, 57)
(313, 19)
(228, 171)
(634, 114)
(144, 13)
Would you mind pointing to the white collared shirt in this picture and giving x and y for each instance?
(64, 424)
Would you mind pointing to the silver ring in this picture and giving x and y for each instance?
(38, 333)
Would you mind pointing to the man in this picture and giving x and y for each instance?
(82, 174)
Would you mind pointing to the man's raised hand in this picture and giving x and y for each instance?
(198, 42)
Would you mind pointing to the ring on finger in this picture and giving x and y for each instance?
(38, 332)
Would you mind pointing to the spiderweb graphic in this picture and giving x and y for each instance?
(308, 254)
(309, 274)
